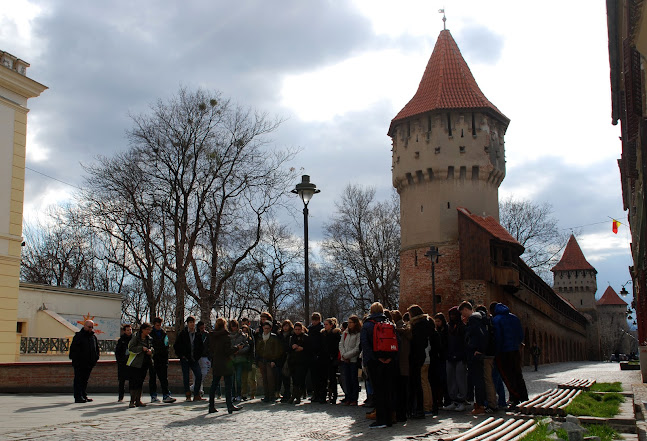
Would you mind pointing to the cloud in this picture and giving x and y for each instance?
(480, 44)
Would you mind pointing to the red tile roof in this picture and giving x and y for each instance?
(446, 84)
(573, 258)
(610, 298)
(489, 224)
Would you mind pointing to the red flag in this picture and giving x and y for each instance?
(614, 226)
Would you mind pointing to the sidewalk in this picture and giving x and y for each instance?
(51, 417)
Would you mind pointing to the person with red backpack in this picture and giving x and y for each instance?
(379, 343)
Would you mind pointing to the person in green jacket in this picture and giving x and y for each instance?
(140, 353)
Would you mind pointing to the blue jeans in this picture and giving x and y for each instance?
(197, 374)
(351, 387)
(238, 378)
(498, 385)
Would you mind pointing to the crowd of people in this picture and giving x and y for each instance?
(412, 364)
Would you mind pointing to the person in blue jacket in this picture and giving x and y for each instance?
(508, 334)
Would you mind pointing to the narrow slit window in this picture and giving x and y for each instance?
(475, 172)
(409, 178)
(449, 123)
(450, 172)
(473, 124)
(430, 172)
(463, 173)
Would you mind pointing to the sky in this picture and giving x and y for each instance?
(337, 72)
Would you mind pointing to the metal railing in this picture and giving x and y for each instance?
(44, 345)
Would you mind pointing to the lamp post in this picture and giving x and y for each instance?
(433, 255)
(305, 189)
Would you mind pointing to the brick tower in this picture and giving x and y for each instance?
(448, 152)
(574, 278)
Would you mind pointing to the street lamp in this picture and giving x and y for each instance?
(623, 291)
(433, 255)
(305, 189)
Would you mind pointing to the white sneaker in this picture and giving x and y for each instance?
(155, 400)
(169, 399)
(450, 406)
(460, 407)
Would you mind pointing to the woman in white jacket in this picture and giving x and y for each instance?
(349, 349)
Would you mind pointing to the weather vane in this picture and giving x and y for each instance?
(442, 11)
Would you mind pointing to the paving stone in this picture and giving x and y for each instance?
(53, 417)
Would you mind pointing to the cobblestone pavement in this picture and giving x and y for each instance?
(50, 416)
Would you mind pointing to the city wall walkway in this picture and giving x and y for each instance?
(51, 416)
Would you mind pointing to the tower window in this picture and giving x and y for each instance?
(421, 209)
(409, 178)
(437, 150)
(450, 172)
(448, 206)
(461, 149)
(415, 258)
(430, 172)
(429, 123)
(409, 129)
(449, 123)
(473, 124)
(462, 133)
(463, 173)
(419, 175)
(475, 173)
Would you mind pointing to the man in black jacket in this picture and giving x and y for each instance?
(476, 341)
(159, 368)
(84, 353)
(317, 365)
(188, 347)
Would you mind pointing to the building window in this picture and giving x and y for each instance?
(449, 123)
(19, 327)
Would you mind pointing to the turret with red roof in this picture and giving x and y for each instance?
(575, 278)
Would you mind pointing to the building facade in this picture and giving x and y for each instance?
(15, 89)
(448, 161)
(627, 29)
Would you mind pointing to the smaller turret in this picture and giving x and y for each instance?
(574, 278)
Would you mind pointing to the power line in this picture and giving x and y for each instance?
(52, 177)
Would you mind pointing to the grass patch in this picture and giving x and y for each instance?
(607, 387)
(539, 434)
(596, 405)
(605, 432)
(542, 432)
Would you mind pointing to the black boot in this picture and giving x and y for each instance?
(212, 404)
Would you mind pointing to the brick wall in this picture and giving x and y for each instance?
(58, 376)
(415, 279)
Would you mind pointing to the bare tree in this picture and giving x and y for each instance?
(535, 228)
(120, 201)
(363, 242)
(273, 262)
(216, 179)
(59, 251)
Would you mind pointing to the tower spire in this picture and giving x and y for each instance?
(442, 11)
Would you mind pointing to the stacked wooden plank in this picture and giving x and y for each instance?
(578, 383)
(492, 429)
(551, 402)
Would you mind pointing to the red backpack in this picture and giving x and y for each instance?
(385, 340)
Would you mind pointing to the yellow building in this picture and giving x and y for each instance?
(15, 90)
(49, 316)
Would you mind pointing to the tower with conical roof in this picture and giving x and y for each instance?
(574, 278)
(448, 152)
